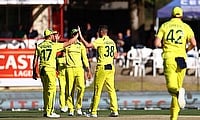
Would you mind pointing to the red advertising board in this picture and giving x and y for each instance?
(16, 63)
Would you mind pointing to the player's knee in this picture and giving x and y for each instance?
(172, 90)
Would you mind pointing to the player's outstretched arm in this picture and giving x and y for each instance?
(70, 41)
(88, 45)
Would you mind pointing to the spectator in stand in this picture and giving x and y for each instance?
(32, 33)
(127, 42)
(89, 32)
(20, 34)
(89, 35)
(150, 37)
(65, 35)
(120, 49)
(5, 32)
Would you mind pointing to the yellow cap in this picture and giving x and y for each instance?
(177, 12)
(48, 32)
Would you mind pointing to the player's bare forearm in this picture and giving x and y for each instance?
(70, 41)
(35, 63)
(157, 42)
(89, 73)
(88, 45)
(191, 45)
(116, 55)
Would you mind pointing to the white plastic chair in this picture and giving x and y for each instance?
(133, 57)
(138, 57)
(157, 60)
(3, 45)
(193, 60)
(145, 54)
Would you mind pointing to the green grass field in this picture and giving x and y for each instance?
(103, 114)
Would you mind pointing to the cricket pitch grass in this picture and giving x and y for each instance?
(103, 115)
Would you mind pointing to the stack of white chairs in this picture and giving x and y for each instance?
(193, 60)
(133, 60)
(157, 60)
(3, 45)
(137, 58)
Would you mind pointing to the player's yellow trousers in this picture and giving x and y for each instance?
(48, 78)
(174, 80)
(102, 77)
(62, 85)
(76, 81)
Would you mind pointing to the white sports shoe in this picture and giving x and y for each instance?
(114, 114)
(181, 98)
(53, 115)
(91, 115)
(71, 114)
(65, 109)
(79, 112)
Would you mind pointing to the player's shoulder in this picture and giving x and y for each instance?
(167, 23)
(186, 25)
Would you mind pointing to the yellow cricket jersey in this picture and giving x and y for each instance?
(76, 55)
(47, 52)
(175, 35)
(106, 48)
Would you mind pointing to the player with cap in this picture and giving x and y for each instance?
(46, 52)
(76, 61)
(176, 38)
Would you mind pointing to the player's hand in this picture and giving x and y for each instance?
(89, 75)
(35, 76)
(80, 34)
(57, 37)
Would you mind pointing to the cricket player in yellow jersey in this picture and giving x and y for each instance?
(76, 60)
(174, 36)
(105, 70)
(61, 65)
(46, 51)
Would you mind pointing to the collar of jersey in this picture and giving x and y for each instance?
(176, 19)
(104, 37)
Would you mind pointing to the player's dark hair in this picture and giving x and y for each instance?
(103, 28)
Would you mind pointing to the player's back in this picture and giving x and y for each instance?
(105, 51)
(175, 36)
(74, 55)
(47, 51)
